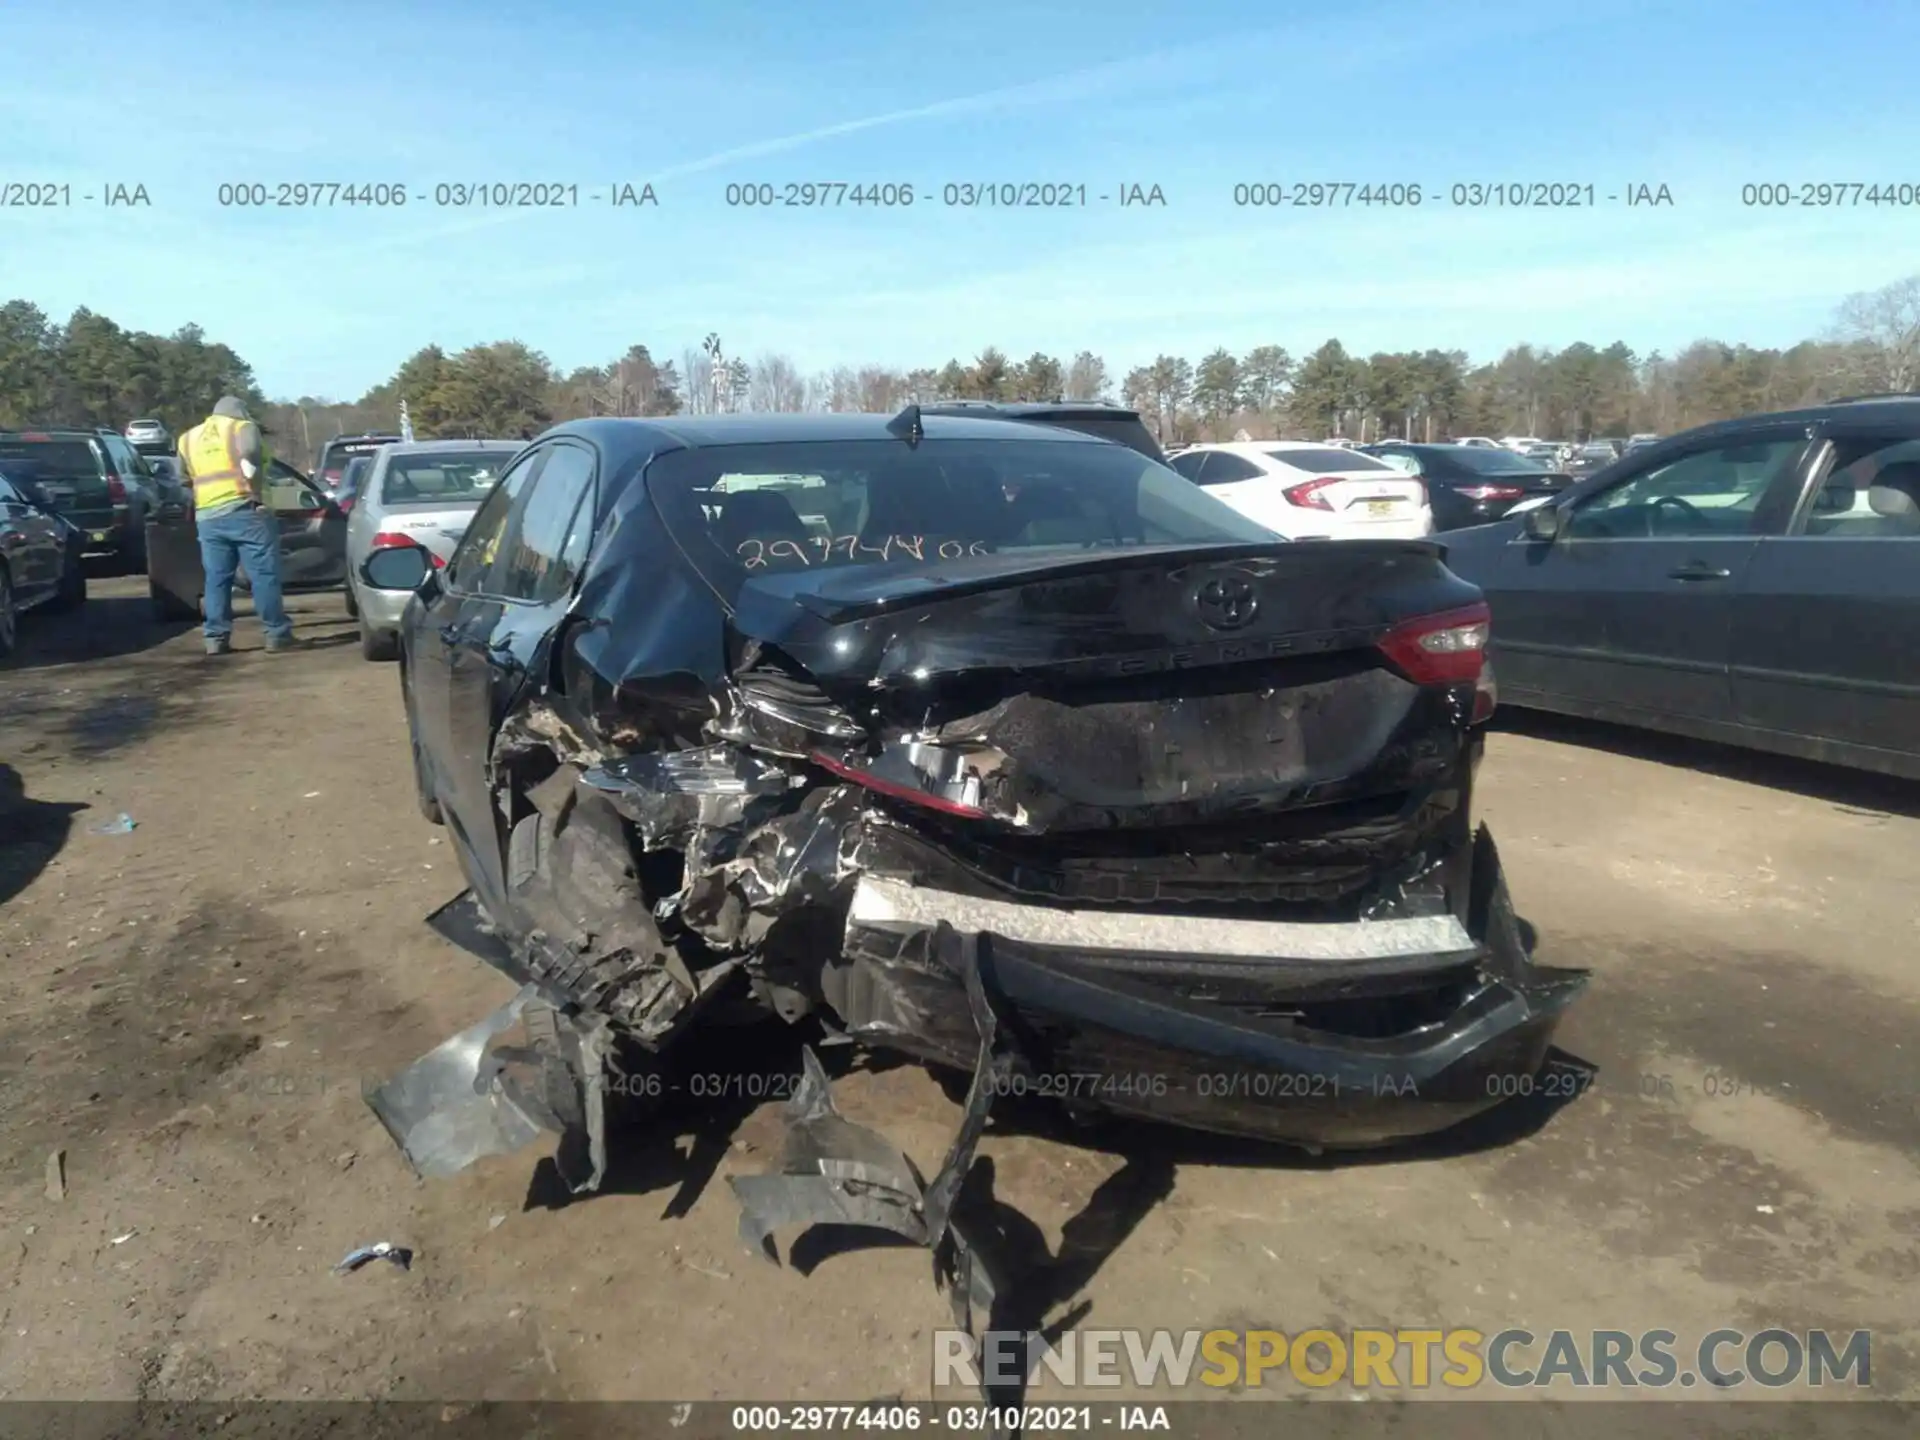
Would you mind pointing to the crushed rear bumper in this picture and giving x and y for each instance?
(1271, 1030)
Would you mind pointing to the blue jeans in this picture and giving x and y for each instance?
(251, 535)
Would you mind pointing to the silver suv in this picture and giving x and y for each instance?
(419, 493)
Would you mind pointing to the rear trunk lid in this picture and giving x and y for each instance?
(69, 472)
(438, 525)
(1143, 689)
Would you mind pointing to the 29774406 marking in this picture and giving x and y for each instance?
(1829, 194)
(310, 195)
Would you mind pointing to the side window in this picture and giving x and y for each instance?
(1399, 460)
(1189, 464)
(544, 544)
(1225, 469)
(1871, 492)
(479, 547)
(1714, 492)
(8, 496)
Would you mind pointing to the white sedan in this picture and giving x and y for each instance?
(1307, 491)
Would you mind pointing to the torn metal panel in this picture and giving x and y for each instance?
(832, 1172)
(471, 1097)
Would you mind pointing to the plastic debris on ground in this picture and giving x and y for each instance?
(121, 824)
(382, 1250)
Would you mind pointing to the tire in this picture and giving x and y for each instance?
(72, 593)
(378, 645)
(422, 787)
(165, 605)
(9, 617)
(133, 554)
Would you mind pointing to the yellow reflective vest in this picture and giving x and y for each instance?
(211, 454)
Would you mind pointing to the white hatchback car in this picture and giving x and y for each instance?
(1308, 491)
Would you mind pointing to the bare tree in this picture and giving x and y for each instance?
(777, 385)
(1886, 324)
(696, 368)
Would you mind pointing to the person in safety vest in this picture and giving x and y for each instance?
(226, 462)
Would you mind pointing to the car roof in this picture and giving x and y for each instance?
(673, 432)
(403, 448)
(1027, 409)
(1263, 447)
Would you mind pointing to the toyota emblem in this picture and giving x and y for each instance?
(1226, 602)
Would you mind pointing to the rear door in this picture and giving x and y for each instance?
(1826, 634)
(442, 683)
(1629, 612)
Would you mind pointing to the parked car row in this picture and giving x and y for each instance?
(95, 480)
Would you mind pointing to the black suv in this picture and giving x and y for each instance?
(335, 454)
(93, 479)
(1089, 417)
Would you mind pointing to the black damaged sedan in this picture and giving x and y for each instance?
(1002, 747)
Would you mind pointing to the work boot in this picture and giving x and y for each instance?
(222, 646)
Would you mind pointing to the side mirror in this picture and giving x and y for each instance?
(1545, 523)
(401, 567)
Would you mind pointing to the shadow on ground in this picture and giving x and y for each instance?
(32, 832)
(105, 628)
(1856, 790)
(680, 1141)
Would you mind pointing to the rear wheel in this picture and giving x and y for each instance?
(72, 593)
(378, 644)
(422, 787)
(9, 617)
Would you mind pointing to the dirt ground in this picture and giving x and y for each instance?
(189, 1010)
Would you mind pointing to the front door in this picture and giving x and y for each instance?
(1628, 612)
(313, 530)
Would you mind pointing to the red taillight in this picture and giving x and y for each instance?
(1445, 649)
(393, 540)
(1491, 492)
(1307, 494)
(116, 490)
(438, 563)
(868, 780)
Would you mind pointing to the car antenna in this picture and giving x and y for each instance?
(907, 426)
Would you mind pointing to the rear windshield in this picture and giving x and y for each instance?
(54, 459)
(153, 449)
(1328, 461)
(1492, 462)
(448, 478)
(742, 510)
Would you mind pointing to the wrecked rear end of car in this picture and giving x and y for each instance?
(1129, 805)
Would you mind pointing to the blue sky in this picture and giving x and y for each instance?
(1194, 97)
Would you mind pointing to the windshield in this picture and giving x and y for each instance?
(1328, 461)
(742, 510)
(54, 459)
(451, 477)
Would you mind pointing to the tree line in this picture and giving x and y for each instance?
(90, 371)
